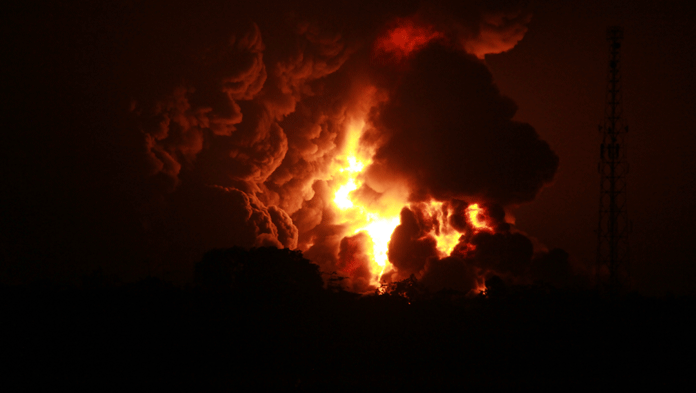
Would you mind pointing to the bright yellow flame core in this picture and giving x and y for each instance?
(447, 241)
(380, 230)
(378, 220)
(447, 238)
(476, 217)
(341, 199)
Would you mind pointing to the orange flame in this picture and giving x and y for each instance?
(477, 217)
(377, 221)
(446, 236)
(480, 287)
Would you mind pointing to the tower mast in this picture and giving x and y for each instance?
(612, 232)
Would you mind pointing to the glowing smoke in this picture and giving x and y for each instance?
(229, 124)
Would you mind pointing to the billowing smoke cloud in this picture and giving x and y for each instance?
(411, 244)
(214, 124)
(482, 27)
(496, 249)
(450, 134)
(354, 261)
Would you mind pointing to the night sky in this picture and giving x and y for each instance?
(557, 77)
(140, 135)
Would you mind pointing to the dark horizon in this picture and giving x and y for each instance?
(263, 319)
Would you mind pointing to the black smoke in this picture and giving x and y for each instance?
(450, 134)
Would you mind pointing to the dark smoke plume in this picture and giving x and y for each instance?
(148, 133)
(450, 134)
(411, 246)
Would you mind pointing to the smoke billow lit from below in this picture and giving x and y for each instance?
(382, 150)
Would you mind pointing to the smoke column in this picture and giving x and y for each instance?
(364, 135)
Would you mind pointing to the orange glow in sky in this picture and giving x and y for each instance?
(405, 39)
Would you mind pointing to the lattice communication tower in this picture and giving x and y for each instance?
(614, 226)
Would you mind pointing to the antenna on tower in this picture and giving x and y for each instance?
(613, 228)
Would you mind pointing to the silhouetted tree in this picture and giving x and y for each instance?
(408, 288)
(495, 287)
(98, 279)
(264, 269)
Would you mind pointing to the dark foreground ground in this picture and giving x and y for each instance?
(280, 334)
